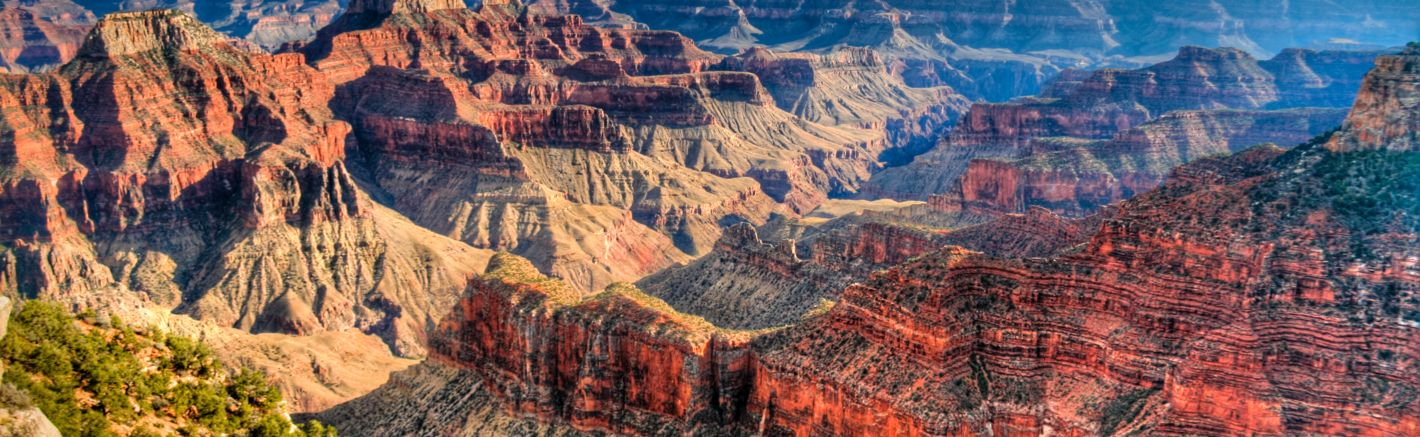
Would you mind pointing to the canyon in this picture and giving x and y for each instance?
(165, 167)
(425, 217)
(1257, 293)
(44, 34)
(667, 143)
(1094, 138)
(1001, 49)
(996, 50)
(299, 209)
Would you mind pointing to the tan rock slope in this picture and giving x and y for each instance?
(750, 283)
(166, 165)
(600, 154)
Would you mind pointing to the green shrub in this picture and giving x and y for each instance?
(54, 360)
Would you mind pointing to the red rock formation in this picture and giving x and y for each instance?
(1253, 294)
(1384, 116)
(1078, 177)
(658, 147)
(1080, 174)
(652, 367)
(211, 181)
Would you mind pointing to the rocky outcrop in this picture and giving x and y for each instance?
(1385, 114)
(42, 34)
(1261, 293)
(262, 22)
(1078, 177)
(209, 180)
(473, 121)
(1094, 138)
(624, 362)
(853, 87)
(1000, 50)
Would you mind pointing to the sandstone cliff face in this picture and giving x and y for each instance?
(600, 154)
(748, 283)
(1384, 116)
(1095, 138)
(854, 87)
(648, 367)
(998, 49)
(265, 23)
(1262, 293)
(42, 34)
(166, 166)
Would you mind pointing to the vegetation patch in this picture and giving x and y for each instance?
(103, 378)
(1123, 409)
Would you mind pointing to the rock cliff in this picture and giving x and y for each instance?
(42, 34)
(1384, 116)
(1261, 293)
(748, 283)
(473, 121)
(166, 166)
(1002, 49)
(1094, 138)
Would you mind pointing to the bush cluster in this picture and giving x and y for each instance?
(100, 378)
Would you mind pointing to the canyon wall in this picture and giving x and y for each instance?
(998, 50)
(1093, 138)
(472, 121)
(749, 283)
(211, 182)
(1257, 293)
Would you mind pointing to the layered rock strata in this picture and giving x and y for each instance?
(1000, 49)
(1259, 293)
(1095, 138)
(167, 167)
(473, 121)
(748, 283)
(262, 22)
(1077, 177)
(42, 34)
(854, 87)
